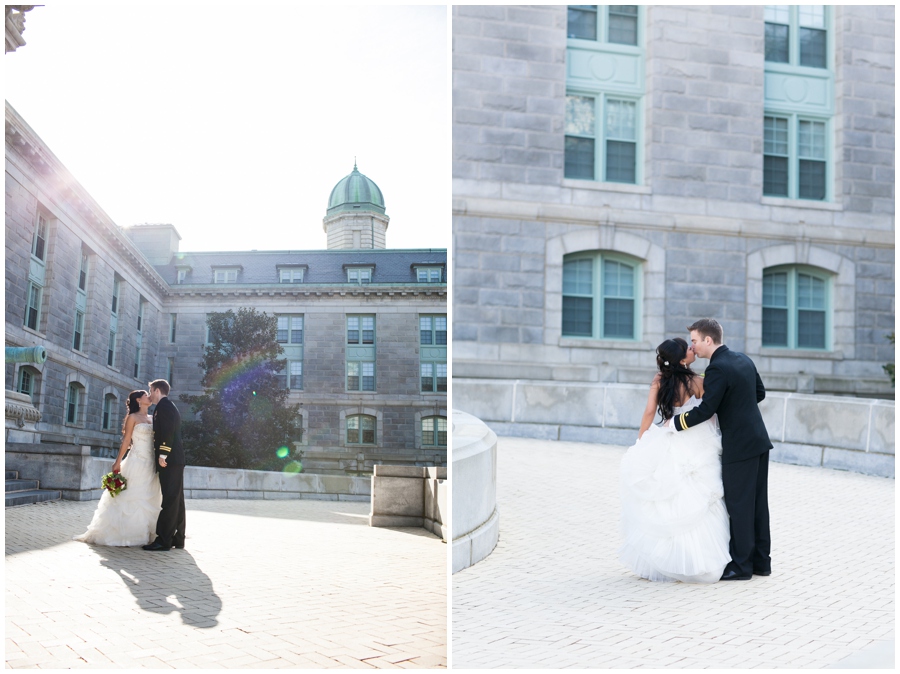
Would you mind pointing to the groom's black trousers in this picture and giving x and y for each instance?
(747, 500)
(171, 522)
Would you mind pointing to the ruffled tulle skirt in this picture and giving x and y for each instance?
(129, 518)
(674, 522)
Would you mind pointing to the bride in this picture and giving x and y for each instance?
(130, 518)
(674, 521)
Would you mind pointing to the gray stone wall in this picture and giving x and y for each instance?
(509, 93)
(698, 222)
(705, 101)
(865, 106)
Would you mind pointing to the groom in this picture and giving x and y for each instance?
(170, 458)
(732, 389)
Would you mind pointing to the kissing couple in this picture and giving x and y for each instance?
(694, 489)
(150, 510)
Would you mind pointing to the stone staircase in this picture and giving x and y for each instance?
(23, 492)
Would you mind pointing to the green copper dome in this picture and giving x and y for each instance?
(355, 193)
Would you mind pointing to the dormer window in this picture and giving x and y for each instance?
(290, 275)
(225, 275)
(181, 274)
(359, 275)
(428, 274)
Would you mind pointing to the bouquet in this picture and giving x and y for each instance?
(114, 483)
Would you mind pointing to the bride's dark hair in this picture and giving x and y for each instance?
(132, 404)
(675, 378)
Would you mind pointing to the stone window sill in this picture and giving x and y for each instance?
(34, 332)
(591, 343)
(801, 203)
(605, 186)
(801, 353)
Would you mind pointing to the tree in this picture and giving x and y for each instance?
(242, 417)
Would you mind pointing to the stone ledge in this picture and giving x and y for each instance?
(840, 432)
(409, 496)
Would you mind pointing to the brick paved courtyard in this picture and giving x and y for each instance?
(267, 584)
(552, 594)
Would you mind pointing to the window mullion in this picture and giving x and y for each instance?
(599, 137)
(793, 309)
(598, 297)
(602, 23)
(793, 157)
(794, 36)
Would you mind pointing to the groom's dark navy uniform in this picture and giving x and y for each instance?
(732, 389)
(167, 443)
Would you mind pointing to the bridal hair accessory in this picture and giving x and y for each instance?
(666, 363)
(114, 483)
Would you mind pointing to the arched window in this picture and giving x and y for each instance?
(74, 397)
(434, 432)
(361, 429)
(109, 411)
(601, 296)
(29, 383)
(796, 308)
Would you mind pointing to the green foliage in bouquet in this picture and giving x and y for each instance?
(242, 419)
(114, 483)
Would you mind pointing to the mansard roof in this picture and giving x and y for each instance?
(321, 266)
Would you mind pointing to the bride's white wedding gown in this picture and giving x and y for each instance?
(130, 518)
(674, 522)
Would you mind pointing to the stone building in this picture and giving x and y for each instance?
(620, 171)
(363, 327)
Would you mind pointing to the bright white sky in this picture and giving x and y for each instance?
(234, 122)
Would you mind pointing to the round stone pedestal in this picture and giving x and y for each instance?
(476, 523)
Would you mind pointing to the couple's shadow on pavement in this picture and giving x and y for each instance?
(165, 582)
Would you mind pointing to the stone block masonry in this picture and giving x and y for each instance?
(697, 221)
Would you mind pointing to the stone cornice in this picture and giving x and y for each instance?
(309, 290)
(735, 223)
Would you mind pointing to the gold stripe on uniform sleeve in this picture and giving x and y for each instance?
(165, 448)
(683, 419)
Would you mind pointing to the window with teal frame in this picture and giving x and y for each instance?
(797, 35)
(601, 296)
(601, 138)
(604, 94)
(799, 100)
(795, 157)
(614, 24)
(796, 308)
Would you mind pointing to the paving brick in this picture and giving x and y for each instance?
(553, 594)
(261, 584)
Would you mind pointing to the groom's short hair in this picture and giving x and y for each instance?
(708, 327)
(161, 385)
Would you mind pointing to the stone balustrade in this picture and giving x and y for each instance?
(845, 433)
(72, 470)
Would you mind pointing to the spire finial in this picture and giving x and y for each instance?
(354, 163)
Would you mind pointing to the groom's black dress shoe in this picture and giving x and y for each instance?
(762, 572)
(155, 547)
(732, 574)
